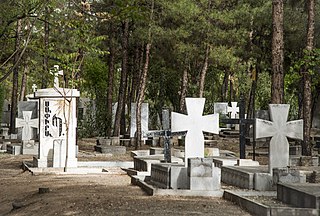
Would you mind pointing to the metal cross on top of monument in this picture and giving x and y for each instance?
(195, 124)
(279, 129)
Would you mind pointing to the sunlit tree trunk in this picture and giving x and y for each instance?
(204, 72)
(307, 98)
(15, 80)
(183, 91)
(277, 88)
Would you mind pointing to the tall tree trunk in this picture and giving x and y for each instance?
(224, 88)
(24, 82)
(46, 48)
(183, 93)
(15, 79)
(111, 60)
(277, 89)
(143, 82)
(204, 71)
(307, 98)
(123, 82)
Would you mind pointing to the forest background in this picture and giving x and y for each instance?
(265, 51)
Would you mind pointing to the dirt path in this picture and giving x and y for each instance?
(92, 195)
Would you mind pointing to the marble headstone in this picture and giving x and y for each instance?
(58, 122)
(27, 123)
(195, 124)
(144, 118)
(220, 108)
(279, 129)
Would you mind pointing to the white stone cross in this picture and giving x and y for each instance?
(233, 110)
(34, 87)
(279, 129)
(27, 124)
(194, 123)
(56, 74)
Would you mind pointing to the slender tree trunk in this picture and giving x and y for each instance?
(307, 98)
(224, 90)
(110, 79)
(122, 87)
(46, 47)
(143, 82)
(24, 82)
(183, 94)
(204, 72)
(277, 89)
(15, 79)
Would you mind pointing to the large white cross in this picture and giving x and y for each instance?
(279, 129)
(27, 124)
(56, 74)
(233, 110)
(195, 124)
(34, 87)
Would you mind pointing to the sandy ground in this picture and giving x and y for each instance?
(109, 194)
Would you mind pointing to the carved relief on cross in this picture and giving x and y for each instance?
(279, 129)
(195, 124)
(233, 110)
(56, 72)
(27, 124)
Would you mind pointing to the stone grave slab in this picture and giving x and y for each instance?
(279, 129)
(220, 108)
(30, 147)
(195, 124)
(203, 175)
(301, 195)
(15, 149)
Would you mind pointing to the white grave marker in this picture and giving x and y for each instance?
(144, 118)
(56, 72)
(233, 110)
(34, 87)
(195, 124)
(58, 124)
(279, 129)
(27, 124)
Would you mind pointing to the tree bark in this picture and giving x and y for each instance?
(183, 93)
(204, 72)
(24, 82)
(123, 82)
(224, 88)
(143, 82)
(277, 88)
(15, 80)
(307, 98)
(46, 48)
(111, 60)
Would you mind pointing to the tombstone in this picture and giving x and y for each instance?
(279, 129)
(195, 124)
(58, 122)
(262, 114)
(144, 119)
(27, 123)
(30, 106)
(30, 147)
(220, 108)
(233, 110)
(5, 117)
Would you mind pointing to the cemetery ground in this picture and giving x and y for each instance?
(100, 194)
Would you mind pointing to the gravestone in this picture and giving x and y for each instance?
(195, 124)
(58, 122)
(27, 123)
(233, 110)
(144, 119)
(6, 111)
(220, 108)
(31, 106)
(279, 129)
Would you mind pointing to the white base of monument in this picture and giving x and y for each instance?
(45, 162)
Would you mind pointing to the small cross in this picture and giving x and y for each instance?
(56, 74)
(27, 123)
(34, 87)
(194, 123)
(233, 110)
(279, 129)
